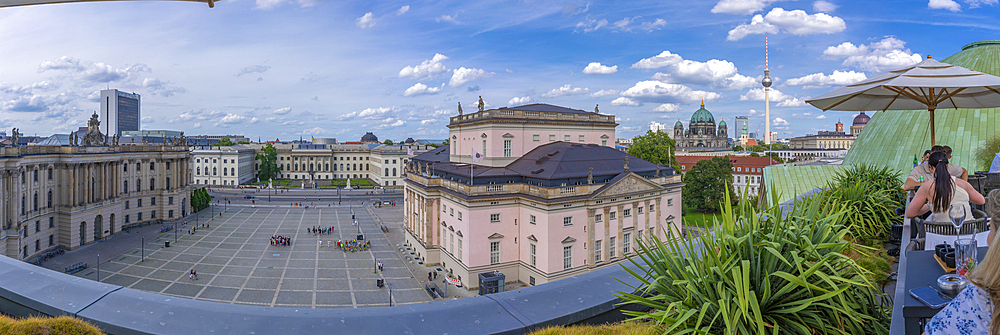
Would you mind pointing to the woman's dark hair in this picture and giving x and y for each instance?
(942, 181)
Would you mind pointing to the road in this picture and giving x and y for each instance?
(319, 197)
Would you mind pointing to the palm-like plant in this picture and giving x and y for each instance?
(759, 272)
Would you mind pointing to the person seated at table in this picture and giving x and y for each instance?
(944, 190)
(995, 167)
(924, 170)
(972, 312)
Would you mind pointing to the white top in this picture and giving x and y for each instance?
(970, 313)
(995, 167)
(959, 196)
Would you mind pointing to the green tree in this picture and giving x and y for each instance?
(446, 142)
(242, 142)
(269, 168)
(224, 142)
(707, 184)
(655, 147)
(387, 142)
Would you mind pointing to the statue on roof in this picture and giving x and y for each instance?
(93, 137)
(459, 108)
(14, 137)
(595, 108)
(482, 105)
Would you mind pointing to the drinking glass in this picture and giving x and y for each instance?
(965, 256)
(957, 214)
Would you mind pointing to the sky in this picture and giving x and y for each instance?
(284, 69)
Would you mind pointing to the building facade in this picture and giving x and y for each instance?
(121, 111)
(537, 207)
(220, 165)
(380, 163)
(702, 132)
(748, 172)
(70, 196)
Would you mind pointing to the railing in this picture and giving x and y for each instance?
(45, 149)
(508, 114)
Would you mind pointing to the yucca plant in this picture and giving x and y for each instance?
(876, 178)
(868, 212)
(759, 272)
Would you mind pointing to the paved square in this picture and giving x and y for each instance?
(236, 263)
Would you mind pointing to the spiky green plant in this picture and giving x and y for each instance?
(759, 272)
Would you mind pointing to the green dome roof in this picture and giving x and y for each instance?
(722, 123)
(702, 115)
(678, 124)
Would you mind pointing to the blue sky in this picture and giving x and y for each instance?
(291, 68)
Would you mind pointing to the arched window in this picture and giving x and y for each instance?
(152, 184)
(50, 199)
(366, 167)
(326, 167)
(198, 171)
(225, 172)
(393, 172)
(34, 205)
(386, 172)
(310, 166)
(341, 167)
(232, 171)
(215, 171)
(355, 167)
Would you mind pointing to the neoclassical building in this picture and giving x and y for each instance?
(550, 197)
(701, 132)
(70, 196)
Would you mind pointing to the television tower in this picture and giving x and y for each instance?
(767, 98)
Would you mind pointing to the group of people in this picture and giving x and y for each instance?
(939, 185)
(319, 230)
(281, 241)
(354, 245)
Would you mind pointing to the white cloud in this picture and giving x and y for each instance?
(665, 58)
(271, 4)
(282, 111)
(782, 99)
(253, 69)
(231, 118)
(518, 101)
(573, 9)
(448, 18)
(604, 93)
(597, 68)
(418, 89)
(740, 7)
(889, 53)
(566, 90)
(463, 75)
(369, 113)
(655, 25)
(667, 108)
(589, 25)
(623, 101)
(366, 21)
(839, 78)
(796, 22)
(403, 10)
(793, 102)
(824, 6)
(821, 117)
(161, 87)
(427, 69)
(196, 125)
(428, 121)
(779, 122)
(90, 72)
(944, 4)
(716, 73)
(977, 3)
(657, 91)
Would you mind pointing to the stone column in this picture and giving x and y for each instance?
(590, 237)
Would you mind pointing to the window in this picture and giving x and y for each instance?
(626, 243)
(567, 221)
(52, 222)
(152, 201)
(35, 175)
(484, 147)
(506, 148)
(215, 172)
(52, 240)
(494, 252)
(152, 184)
(170, 213)
(639, 210)
(393, 172)
(531, 219)
(604, 143)
(138, 203)
(168, 165)
(599, 218)
(170, 200)
(126, 165)
(126, 204)
(494, 217)
(651, 206)
(552, 138)
(139, 217)
(451, 211)
(197, 171)
(459, 216)
(152, 166)
(38, 245)
(638, 235)
(565, 138)
(38, 226)
(612, 215)
(126, 219)
(627, 212)
(50, 199)
(50, 173)
(567, 257)
(34, 203)
(535, 137)
(597, 251)
(531, 254)
(444, 232)
(459, 250)
(451, 241)
(670, 202)
(225, 172)
(611, 247)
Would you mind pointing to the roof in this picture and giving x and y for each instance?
(546, 108)
(56, 140)
(736, 160)
(861, 119)
(702, 115)
(789, 182)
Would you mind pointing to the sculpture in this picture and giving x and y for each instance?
(590, 175)
(482, 105)
(595, 108)
(94, 136)
(626, 162)
(459, 108)
(14, 137)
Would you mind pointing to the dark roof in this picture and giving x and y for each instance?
(546, 108)
(437, 155)
(861, 119)
(369, 137)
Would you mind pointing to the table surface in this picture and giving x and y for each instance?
(922, 270)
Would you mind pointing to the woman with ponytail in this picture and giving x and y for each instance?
(938, 194)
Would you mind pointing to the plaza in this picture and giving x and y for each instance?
(237, 264)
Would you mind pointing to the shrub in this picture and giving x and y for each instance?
(985, 153)
(36, 325)
(761, 271)
(869, 196)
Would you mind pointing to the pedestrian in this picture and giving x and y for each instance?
(429, 276)
(435, 275)
(191, 274)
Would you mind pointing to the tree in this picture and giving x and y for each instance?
(387, 142)
(655, 147)
(224, 142)
(269, 168)
(200, 199)
(707, 183)
(446, 142)
(242, 142)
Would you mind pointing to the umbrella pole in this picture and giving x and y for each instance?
(932, 125)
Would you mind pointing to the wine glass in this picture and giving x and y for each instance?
(957, 214)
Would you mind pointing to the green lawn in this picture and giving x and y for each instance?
(276, 182)
(343, 182)
(693, 218)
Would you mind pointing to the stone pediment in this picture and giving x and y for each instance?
(627, 185)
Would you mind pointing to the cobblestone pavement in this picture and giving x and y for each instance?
(236, 263)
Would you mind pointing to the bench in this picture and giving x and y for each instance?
(165, 229)
(76, 267)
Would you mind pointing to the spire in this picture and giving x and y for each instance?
(765, 52)
(702, 102)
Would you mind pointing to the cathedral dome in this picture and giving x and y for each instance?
(702, 115)
(861, 119)
(678, 124)
(369, 138)
(722, 123)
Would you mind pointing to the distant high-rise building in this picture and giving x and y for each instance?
(120, 111)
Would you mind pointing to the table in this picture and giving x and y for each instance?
(922, 270)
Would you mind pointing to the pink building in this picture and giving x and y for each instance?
(538, 207)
